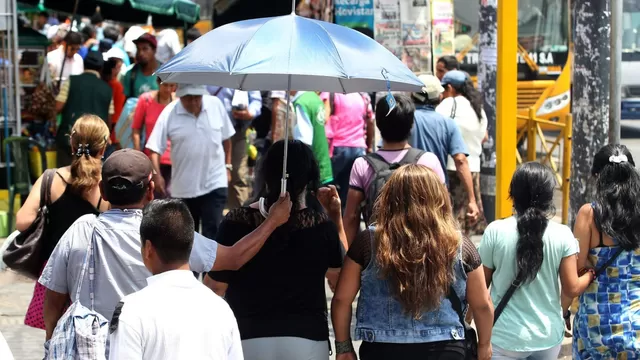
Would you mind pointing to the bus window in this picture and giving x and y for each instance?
(542, 31)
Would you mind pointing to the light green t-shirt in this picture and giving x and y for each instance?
(532, 320)
(141, 83)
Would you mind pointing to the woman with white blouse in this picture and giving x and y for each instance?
(463, 103)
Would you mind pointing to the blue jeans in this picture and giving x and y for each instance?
(548, 354)
(341, 164)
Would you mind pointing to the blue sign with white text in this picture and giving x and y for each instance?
(354, 13)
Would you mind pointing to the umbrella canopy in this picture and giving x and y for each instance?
(289, 52)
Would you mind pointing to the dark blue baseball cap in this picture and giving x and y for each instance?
(454, 78)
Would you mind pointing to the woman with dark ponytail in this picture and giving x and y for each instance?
(529, 251)
(74, 192)
(278, 297)
(608, 230)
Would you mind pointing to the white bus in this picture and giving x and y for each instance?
(631, 60)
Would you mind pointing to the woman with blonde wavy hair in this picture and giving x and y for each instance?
(411, 268)
(74, 192)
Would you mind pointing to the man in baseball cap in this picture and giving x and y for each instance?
(126, 178)
(139, 78)
(431, 91)
(439, 134)
(119, 269)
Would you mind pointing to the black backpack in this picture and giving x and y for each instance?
(382, 172)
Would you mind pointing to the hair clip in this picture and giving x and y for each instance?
(83, 149)
(79, 150)
(617, 159)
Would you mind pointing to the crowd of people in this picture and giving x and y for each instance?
(420, 279)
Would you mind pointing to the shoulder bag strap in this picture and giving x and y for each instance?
(505, 300)
(454, 108)
(64, 60)
(332, 102)
(218, 91)
(613, 258)
(456, 304)
(132, 80)
(88, 257)
(92, 268)
(45, 188)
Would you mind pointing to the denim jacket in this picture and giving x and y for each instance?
(382, 318)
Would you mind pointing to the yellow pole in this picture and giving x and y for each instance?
(532, 135)
(507, 103)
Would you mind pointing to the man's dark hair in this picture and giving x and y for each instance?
(168, 225)
(432, 102)
(121, 193)
(450, 62)
(193, 34)
(93, 61)
(43, 14)
(111, 33)
(425, 101)
(73, 38)
(87, 32)
(396, 126)
(96, 18)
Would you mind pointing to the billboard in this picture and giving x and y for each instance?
(354, 13)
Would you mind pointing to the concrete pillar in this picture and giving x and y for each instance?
(590, 95)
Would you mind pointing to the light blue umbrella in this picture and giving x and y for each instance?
(289, 52)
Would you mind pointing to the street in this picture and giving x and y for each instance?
(26, 343)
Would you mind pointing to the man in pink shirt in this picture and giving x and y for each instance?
(350, 133)
(395, 128)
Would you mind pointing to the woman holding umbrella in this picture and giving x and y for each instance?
(291, 322)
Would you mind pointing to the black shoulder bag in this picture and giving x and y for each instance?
(470, 336)
(24, 254)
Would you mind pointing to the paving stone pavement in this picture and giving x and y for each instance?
(15, 293)
(26, 343)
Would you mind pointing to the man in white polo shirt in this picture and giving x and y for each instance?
(165, 320)
(199, 129)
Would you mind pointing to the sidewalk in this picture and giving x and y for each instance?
(25, 342)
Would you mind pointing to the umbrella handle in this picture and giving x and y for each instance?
(283, 182)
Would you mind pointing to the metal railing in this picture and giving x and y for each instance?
(532, 130)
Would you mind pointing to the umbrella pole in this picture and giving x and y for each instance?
(283, 182)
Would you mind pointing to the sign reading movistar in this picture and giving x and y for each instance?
(354, 13)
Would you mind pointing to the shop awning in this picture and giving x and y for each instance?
(166, 13)
(184, 10)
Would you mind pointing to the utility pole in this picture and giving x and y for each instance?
(590, 95)
(487, 72)
(615, 97)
